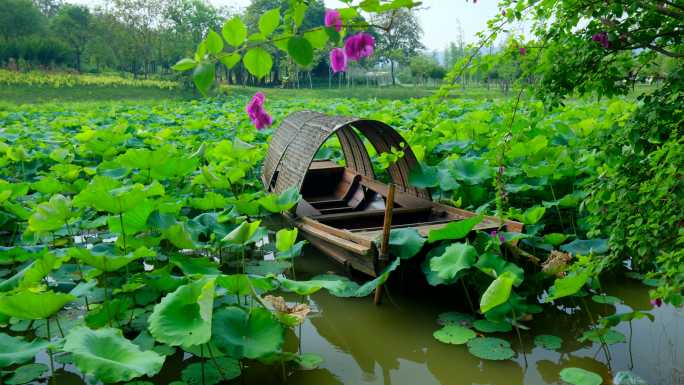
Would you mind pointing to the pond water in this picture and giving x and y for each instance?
(392, 343)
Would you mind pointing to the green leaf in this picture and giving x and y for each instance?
(455, 318)
(234, 31)
(533, 215)
(567, 286)
(184, 64)
(405, 243)
(586, 246)
(214, 42)
(31, 305)
(285, 239)
(489, 348)
(258, 62)
(293, 252)
(242, 284)
(14, 350)
(456, 257)
(487, 326)
(471, 170)
(309, 361)
(455, 230)
(277, 203)
(229, 369)
(423, 177)
(318, 38)
(606, 299)
(184, 316)
(498, 292)
(230, 60)
(250, 334)
(301, 50)
(199, 265)
(203, 77)
(454, 334)
(606, 336)
(104, 258)
(242, 234)
(52, 215)
(547, 341)
(578, 376)
(494, 265)
(109, 357)
(555, 239)
(269, 21)
(26, 373)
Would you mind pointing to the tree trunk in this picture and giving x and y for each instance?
(394, 82)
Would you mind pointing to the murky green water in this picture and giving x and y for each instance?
(392, 344)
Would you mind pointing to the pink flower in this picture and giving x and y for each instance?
(338, 60)
(255, 110)
(657, 302)
(601, 38)
(523, 51)
(333, 19)
(359, 46)
(500, 236)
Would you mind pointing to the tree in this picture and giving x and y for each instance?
(48, 8)
(19, 18)
(399, 34)
(72, 24)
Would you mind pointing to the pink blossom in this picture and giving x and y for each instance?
(338, 60)
(255, 110)
(333, 19)
(601, 38)
(657, 302)
(523, 51)
(496, 234)
(359, 46)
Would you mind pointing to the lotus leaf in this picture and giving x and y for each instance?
(606, 299)
(31, 305)
(285, 239)
(455, 230)
(250, 334)
(456, 258)
(51, 215)
(283, 202)
(606, 336)
(578, 376)
(14, 350)
(472, 171)
(184, 316)
(108, 356)
(567, 286)
(547, 341)
(454, 334)
(489, 348)
(498, 292)
(586, 246)
(487, 326)
(405, 243)
(243, 234)
(456, 318)
(229, 369)
(26, 373)
(104, 258)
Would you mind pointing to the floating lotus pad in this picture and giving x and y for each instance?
(454, 334)
(490, 348)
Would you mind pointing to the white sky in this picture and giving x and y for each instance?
(439, 18)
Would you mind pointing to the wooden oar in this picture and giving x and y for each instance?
(384, 245)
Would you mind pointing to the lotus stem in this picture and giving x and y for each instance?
(213, 360)
(202, 362)
(465, 289)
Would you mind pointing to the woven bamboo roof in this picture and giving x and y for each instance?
(296, 141)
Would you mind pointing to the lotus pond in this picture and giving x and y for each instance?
(135, 250)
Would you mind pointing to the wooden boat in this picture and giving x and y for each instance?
(343, 208)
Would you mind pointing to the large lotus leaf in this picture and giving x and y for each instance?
(26, 373)
(31, 305)
(578, 376)
(51, 215)
(533, 215)
(567, 286)
(104, 257)
(490, 348)
(455, 230)
(455, 318)
(431, 276)
(286, 238)
(405, 243)
(39, 269)
(494, 265)
(586, 246)
(555, 239)
(199, 265)
(283, 202)
(106, 194)
(498, 292)
(229, 369)
(337, 286)
(615, 319)
(370, 286)
(261, 267)
(606, 336)
(243, 234)
(179, 235)
(106, 355)
(424, 176)
(456, 257)
(16, 254)
(14, 350)
(184, 317)
(292, 252)
(145, 159)
(242, 284)
(487, 326)
(454, 334)
(134, 220)
(250, 334)
(606, 299)
(548, 341)
(471, 170)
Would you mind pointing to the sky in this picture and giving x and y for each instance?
(440, 19)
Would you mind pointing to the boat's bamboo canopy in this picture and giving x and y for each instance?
(295, 143)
